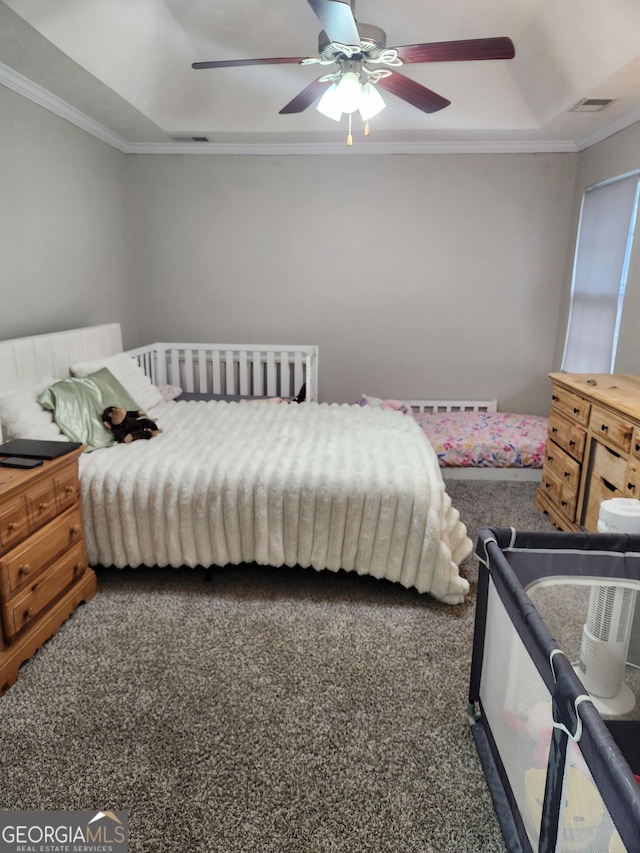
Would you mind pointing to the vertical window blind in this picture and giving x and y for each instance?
(603, 249)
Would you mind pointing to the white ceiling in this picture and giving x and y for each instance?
(122, 69)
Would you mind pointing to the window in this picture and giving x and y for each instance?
(601, 263)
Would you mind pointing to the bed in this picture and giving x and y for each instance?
(314, 484)
(473, 440)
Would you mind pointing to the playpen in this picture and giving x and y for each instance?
(561, 778)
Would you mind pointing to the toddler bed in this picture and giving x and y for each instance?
(472, 440)
(315, 485)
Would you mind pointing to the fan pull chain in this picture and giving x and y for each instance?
(349, 137)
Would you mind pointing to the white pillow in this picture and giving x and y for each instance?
(22, 417)
(128, 373)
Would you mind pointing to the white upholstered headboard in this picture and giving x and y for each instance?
(28, 361)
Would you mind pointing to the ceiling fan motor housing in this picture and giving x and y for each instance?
(367, 32)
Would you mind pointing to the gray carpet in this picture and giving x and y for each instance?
(270, 711)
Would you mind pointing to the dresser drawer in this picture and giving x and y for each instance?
(632, 478)
(25, 606)
(562, 496)
(563, 466)
(599, 490)
(569, 436)
(23, 563)
(611, 428)
(41, 504)
(570, 405)
(609, 465)
(14, 523)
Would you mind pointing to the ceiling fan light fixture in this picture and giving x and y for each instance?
(329, 103)
(371, 102)
(348, 92)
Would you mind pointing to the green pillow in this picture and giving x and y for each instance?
(78, 403)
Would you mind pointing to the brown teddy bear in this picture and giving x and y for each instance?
(128, 426)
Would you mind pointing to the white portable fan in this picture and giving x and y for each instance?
(607, 631)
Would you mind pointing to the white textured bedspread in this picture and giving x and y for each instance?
(326, 486)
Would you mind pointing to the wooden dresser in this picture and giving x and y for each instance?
(44, 575)
(593, 447)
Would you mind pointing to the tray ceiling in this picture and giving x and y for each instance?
(123, 67)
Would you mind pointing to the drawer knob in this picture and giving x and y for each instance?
(554, 429)
(547, 485)
(555, 398)
(12, 527)
(631, 487)
(572, 444)
(576, 411)
(42, 506)
(69, 489)
(567, 473)
(563, 503)
(637, 448)
(75, 529)
(77, 568)
(604, 427)
(549, 458)
(25, 614)
(24, 570)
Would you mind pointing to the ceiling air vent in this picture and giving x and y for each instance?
(591, 105)
(190, 138)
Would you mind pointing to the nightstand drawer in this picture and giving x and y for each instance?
(14, 524)
(570, 405)
(25, 606)
(41, 504)
(23, 563)
(611, 428)
(66, 488)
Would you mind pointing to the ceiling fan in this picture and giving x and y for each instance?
(364, 62)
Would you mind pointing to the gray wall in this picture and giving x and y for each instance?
(418, 276)
(615, 156)
(62, 225)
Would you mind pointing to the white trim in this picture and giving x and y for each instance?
(522, 474)
(12, 80)
(368, 147)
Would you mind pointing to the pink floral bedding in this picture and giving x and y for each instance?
(485, 439)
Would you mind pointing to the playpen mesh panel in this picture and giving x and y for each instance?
(585, 824)
(517, 708)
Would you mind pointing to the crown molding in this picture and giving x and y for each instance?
(368, 147)
(20, 84)
(614, 126)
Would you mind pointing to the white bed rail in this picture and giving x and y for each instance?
(429, 406)
(249, 370)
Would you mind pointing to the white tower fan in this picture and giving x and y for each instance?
(607, 631)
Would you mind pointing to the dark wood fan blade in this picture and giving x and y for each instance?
(337, 20)
(231, 63)
(307, 97)
(414, 93)
(458, 51)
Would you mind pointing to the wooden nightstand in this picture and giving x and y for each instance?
(44, 575)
